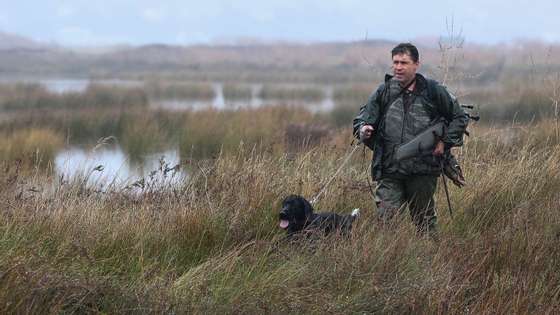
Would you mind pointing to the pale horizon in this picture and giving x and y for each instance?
(125, 22)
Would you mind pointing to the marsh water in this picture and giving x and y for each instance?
(112, 166)
(220, 102)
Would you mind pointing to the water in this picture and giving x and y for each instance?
(111, 167)
(219, 102)
(64, 86)
(74, 85)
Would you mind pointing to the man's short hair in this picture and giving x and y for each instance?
(406, 48)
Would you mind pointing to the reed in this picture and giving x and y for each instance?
(342, 114)
(237, 91)
(32, 148)
(141, 135)
(207, 133)
(356, 93)
(36, 97)
(291, 93)
(158, 89)
(213, 245)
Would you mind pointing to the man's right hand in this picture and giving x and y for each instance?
(366, 132)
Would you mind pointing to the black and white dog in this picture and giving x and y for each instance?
(297, 216)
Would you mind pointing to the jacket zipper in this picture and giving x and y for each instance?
(405, 114)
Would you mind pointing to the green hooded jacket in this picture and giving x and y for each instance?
(395, 124)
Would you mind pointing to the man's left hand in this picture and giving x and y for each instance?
(438, 150)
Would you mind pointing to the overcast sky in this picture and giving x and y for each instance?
(89, 22)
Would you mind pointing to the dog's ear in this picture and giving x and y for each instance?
(288, 199)
(308, 208)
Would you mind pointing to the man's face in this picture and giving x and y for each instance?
(404, 68)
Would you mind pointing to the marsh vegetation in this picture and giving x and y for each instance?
(210, 244)
(197, 233)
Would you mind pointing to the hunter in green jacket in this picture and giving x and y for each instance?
(401, 108)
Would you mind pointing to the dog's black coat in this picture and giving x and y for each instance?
(299, 213)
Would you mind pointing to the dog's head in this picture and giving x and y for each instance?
(296, 212)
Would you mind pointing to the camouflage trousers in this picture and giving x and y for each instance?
(395, 194)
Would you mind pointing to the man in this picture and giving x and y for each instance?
(401, 108)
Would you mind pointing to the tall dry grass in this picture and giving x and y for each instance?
(198, 134)
(207, 133)
(213, 245)
(32, 147)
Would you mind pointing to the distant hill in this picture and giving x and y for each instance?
(16, 42)
(253, 61)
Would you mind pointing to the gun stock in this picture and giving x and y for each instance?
(422, 143)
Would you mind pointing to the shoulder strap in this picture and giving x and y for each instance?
(432, 90)
(383, 100)
(431, 87)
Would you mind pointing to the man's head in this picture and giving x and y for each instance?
(405, 62)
